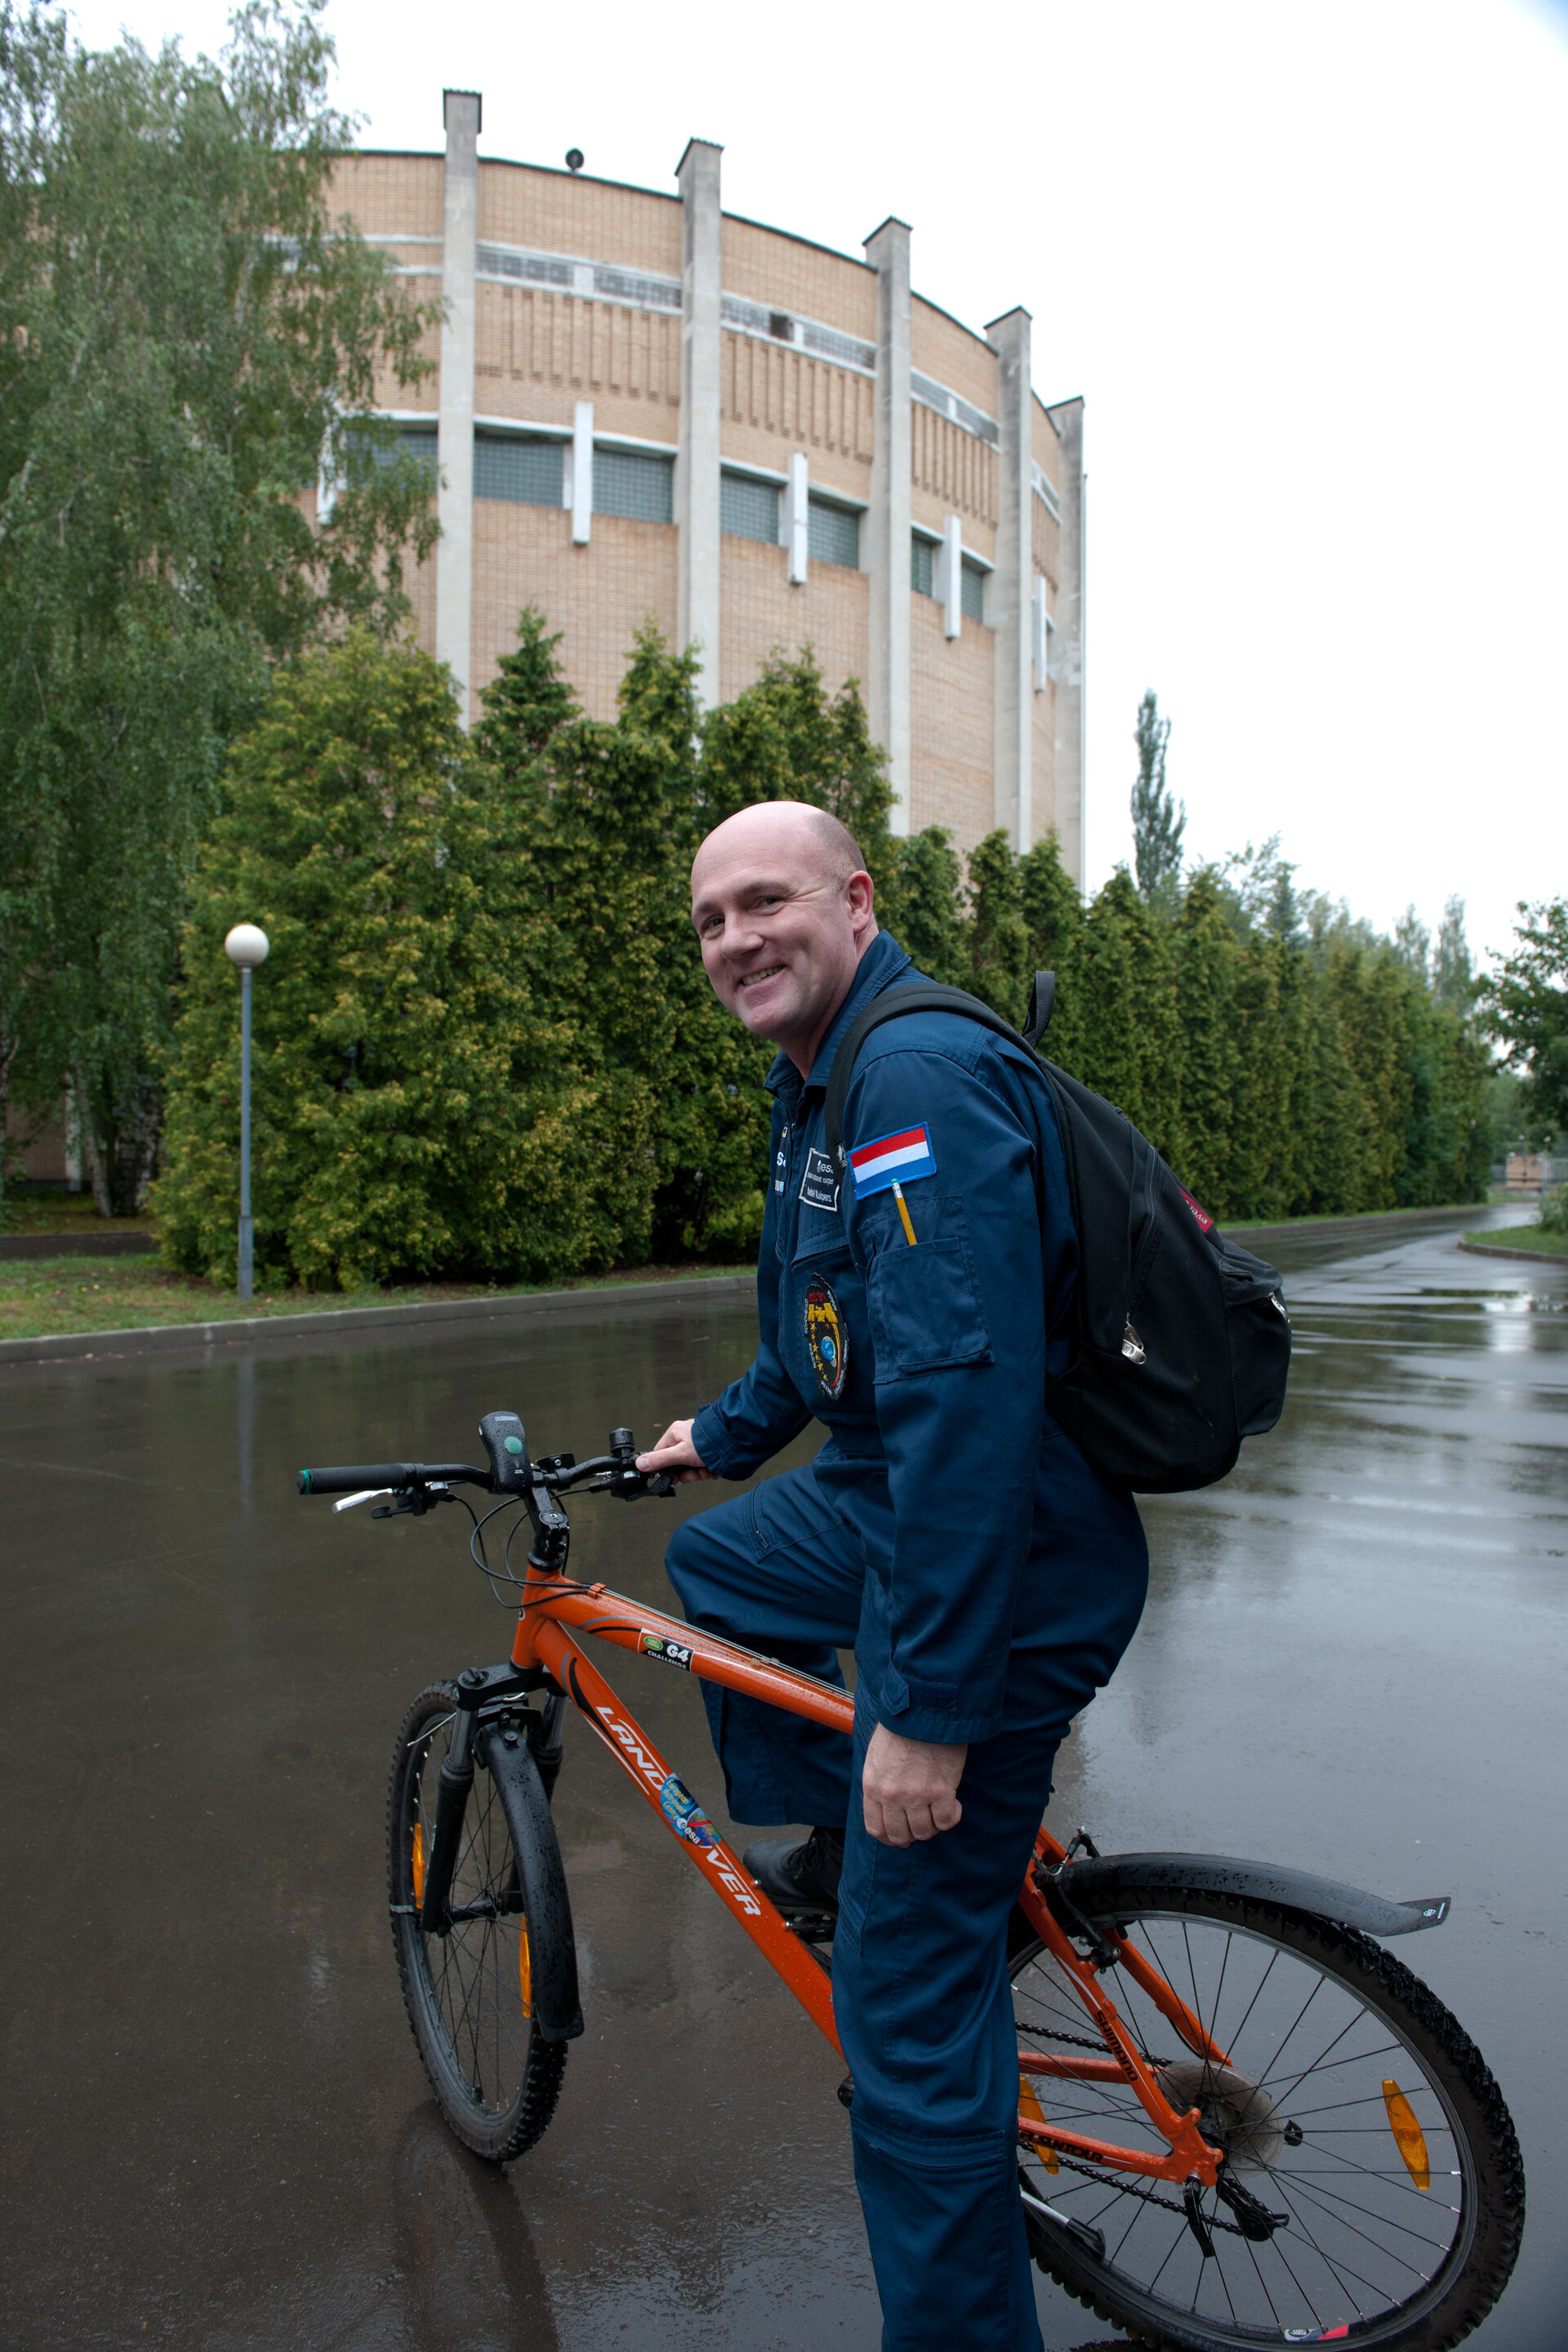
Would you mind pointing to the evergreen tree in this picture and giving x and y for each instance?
(1158, 824)
(1413, 943)
(1453, 976)
(1208, 959)
(930, 923)
(1000, 963)
(416, 1110)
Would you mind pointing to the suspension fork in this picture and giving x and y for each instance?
(454, 1781)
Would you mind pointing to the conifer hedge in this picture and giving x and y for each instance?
(485, 1043)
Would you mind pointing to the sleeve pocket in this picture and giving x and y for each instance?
(924, 1310)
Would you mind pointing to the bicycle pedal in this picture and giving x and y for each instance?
(811, 1926)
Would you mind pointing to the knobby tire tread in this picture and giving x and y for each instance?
(546, 2063)
(1495, 2144)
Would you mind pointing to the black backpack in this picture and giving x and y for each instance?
(1181, 1343)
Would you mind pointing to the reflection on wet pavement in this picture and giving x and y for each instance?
(219, 2135)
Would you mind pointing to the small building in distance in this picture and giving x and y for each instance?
(647, 407)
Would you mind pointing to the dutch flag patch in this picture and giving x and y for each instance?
(891, 1159)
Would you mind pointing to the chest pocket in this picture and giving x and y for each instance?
(924, 1302)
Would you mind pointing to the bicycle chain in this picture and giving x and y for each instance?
(1147, 2196)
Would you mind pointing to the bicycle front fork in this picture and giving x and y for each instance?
(456, 1778)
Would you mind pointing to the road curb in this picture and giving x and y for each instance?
(1520, 1257)
(162, 1338)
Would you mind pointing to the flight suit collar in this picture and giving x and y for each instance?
(881, 964)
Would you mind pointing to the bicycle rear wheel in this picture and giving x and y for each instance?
(469, 1992)
(1373, 2185)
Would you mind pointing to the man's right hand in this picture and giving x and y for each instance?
(675, 1456)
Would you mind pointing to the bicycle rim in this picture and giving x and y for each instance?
(1341, 2120)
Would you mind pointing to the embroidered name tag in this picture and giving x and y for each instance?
(819, 1186)
(893, 1160)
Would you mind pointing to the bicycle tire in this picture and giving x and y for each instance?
(495, 2077)
(1366, 2248)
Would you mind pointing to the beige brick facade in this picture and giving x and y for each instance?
(797, 362)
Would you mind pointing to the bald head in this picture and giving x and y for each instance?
(805, 829)
(783, 906)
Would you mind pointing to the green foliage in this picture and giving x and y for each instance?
(1526, 1005)
(1553, 1216)
(1158, 824)
(186, 337)
(486, 1043)
(413, 1110)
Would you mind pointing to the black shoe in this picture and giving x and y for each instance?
(800, 1879)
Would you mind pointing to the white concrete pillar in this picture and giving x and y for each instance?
(1068, 649)
(579, 484)
(887, 533)
(947, 576)
(1040, 633)
(455, 431)
(794, 518)
(1009, 585)
(697, 452)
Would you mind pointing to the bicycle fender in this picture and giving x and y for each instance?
(557, 2010)
(1093, 1888)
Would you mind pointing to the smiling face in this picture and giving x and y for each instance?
(783, 911)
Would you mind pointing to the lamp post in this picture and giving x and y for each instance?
(247, 946)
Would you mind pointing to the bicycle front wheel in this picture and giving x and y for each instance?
(1372, 2184)
(469, 1992)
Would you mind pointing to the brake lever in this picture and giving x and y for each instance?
(414, 1504)
(631, 1485)
(365, 1494)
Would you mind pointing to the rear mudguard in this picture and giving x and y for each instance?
(1093, 1888)
(552, 1951)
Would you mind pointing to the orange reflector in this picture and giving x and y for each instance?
(1032, 2112)
(419, 1862)
(525, 1972)
(1408, 2136)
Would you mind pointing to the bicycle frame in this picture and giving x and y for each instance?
(558, 1615)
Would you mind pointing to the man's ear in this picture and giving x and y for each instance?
(859, 891)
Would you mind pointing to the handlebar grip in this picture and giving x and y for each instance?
(357, 1478)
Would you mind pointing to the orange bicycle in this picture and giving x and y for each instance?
(1241, 2121)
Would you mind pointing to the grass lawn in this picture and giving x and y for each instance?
(1523, 1237)
(47, 1296)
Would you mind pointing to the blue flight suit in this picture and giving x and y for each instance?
(987, 1578)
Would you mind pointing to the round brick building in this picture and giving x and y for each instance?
(647, 407)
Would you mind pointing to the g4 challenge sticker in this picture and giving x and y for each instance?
(826, 1336)
(674, 1653)
(685, 1815)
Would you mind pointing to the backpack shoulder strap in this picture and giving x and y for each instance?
(921, 996)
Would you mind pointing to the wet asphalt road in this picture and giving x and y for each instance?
(217, 2131)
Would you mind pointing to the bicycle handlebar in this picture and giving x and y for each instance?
(367, 1476)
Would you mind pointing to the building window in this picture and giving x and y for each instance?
(526, 472)
(749, 509)
(832, 534)
(972, 591)
(923, 566)
(635, 483)
(417, 441)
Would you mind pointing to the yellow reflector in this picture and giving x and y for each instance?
(1408, 2136)
(419, 1862)
(1032, 2112)
(525, 1972)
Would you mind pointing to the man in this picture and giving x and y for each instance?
(949, 1530)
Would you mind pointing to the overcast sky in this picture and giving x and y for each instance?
(1306, 267)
